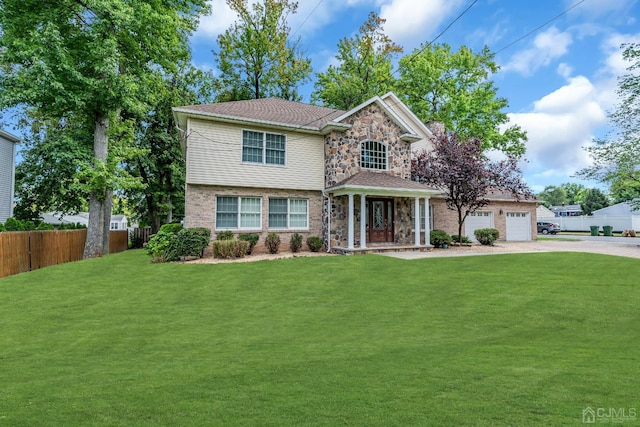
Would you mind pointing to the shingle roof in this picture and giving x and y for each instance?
(381, 180)
(272, 110)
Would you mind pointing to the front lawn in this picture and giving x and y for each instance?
(526, 339)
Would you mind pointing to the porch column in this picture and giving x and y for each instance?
(416, 221)
(427, 222)
(350, 225)
(363, 221)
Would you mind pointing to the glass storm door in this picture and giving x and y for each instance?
(380, 224)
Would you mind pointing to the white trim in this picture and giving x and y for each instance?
(264, 149)
(238, 214)
(416, 221)
(350, 223)
(288, 226)
(386, 154)
(363, 221)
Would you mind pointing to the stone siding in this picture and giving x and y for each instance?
(402, 215)
(200, 211)
(342, 149)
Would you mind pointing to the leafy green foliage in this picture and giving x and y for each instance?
(437, 238)
(2, 227)
(190, 242)
(363, 70)
(88, 61)
(225, 235)
(255, 56)
(487, 236)
(594, 200)
(296, 242)
(460, 239)
(454, 88)
(315, 243)
(13, 224)
(173, 243)
(252, 238)
(230, 248)
(44, 226)
(272, 242)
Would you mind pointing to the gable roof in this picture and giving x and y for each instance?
(409, 133)
(266, 111)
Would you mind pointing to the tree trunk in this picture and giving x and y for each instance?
(106, 207)
(95, 231)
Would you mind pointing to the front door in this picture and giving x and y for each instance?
(380, 220)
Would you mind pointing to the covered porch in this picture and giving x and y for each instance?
(376, 212)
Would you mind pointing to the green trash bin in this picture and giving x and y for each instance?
(594, 230)
(607, 230)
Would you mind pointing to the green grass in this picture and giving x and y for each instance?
(526, 339)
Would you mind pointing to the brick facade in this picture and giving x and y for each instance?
(447, 219)
(200, 211)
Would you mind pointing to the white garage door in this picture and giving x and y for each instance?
(476, 220)
(518, 226)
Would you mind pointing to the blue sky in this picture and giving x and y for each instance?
(560, 81)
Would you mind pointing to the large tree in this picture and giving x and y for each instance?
(460, 169)
(90, 58)
(616, 159)
(363, 70)
(455, 88)
(159, 163)
(595, 199)
(255, 55)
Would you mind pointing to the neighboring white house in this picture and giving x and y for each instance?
(118, 222)
(544, 212)
(8, 144)
(620, 209)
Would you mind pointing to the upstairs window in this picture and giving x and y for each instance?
(373, 155)
(263, 148)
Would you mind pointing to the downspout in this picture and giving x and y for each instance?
(328, 220)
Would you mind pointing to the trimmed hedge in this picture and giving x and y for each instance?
(233, 248)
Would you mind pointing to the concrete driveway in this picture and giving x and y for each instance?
(619, 246)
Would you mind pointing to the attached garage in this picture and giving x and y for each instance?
(518, 226)
(476, 220)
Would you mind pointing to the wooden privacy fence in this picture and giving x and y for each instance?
(22, 251)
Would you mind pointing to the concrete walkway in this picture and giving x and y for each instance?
(619, 246)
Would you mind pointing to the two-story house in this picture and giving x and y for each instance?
(7, 173)
(271, 165)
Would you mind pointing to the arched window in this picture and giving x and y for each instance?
(373, 155)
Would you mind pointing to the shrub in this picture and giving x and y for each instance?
(172, 228)
(29, 225)
(45, 226)
(272, 242)
(458, 239)
(2, 227)
(230, 248)
(437, 238)
(315, 243)
(225, 235)
(159, 246)
(190, 242)
(13, 224)
(296, 242)
(251, 238)
(487, 236)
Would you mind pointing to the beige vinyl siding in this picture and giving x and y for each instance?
(7, 155)
(214, 157)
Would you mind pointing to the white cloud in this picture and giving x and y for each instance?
(410, 19)
(560, 124)
(565, 70)
(218, 21)
(547, 46)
